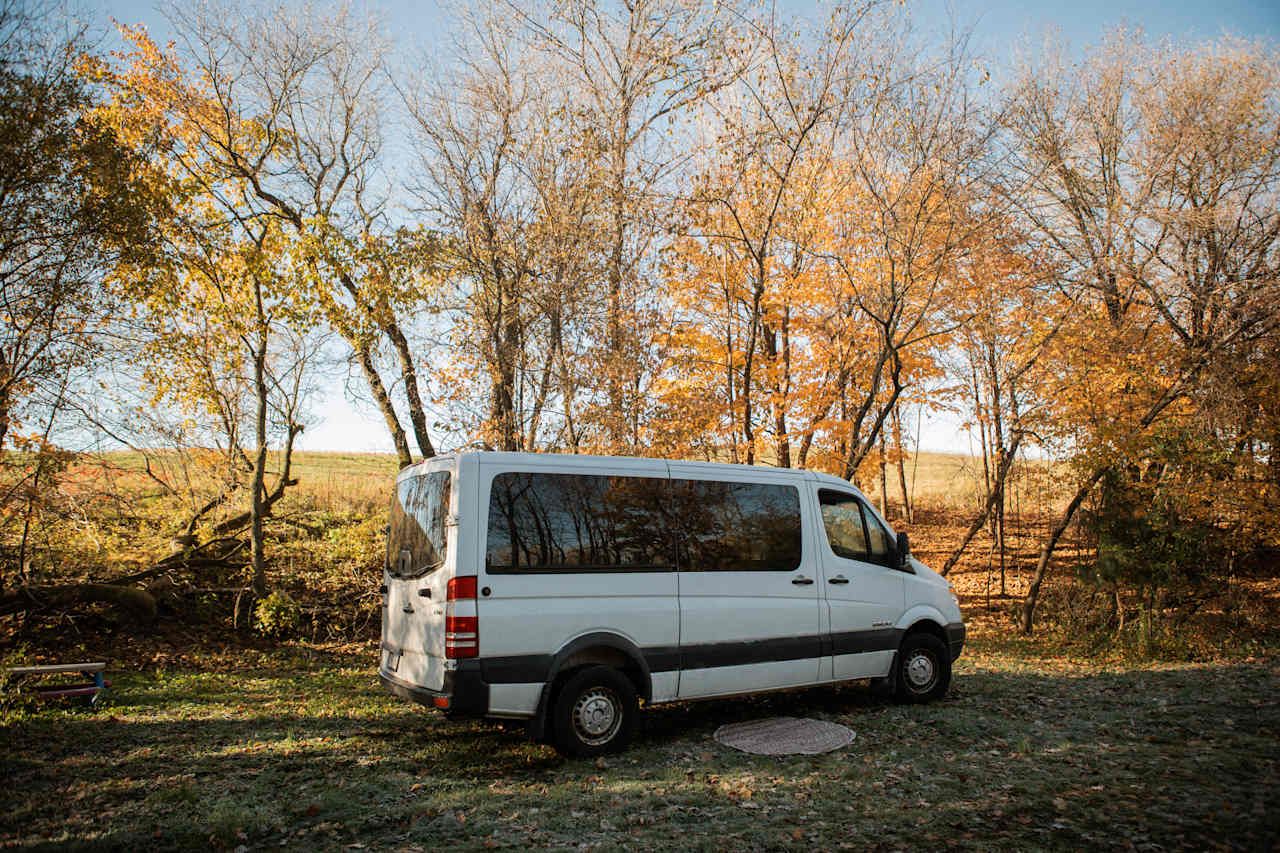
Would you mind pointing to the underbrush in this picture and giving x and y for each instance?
(325, 549)
(1238, 619)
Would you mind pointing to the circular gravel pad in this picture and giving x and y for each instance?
(784, 736)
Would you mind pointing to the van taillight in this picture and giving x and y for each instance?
(461, 637)
(461, 589)
(461, 633)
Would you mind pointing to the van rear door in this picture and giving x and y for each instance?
(420, 553)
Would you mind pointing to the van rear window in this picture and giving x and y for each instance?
(416, 538)
(569, 522)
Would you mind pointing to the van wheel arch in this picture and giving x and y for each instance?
(922, 665)
(598, 649)
(927, 626)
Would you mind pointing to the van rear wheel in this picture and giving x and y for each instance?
(595, 713)
(922, 671)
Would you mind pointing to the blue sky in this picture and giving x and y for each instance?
(998, 24)
(999, 28)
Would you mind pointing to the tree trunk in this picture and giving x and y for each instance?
(884, 479)
(137, 602)
(259, 562)
(4, 402)
(380, 396)
(1046, 551)
(778, 352)
(23, 573)
(616, 382)
(908, 512)
(1033, 592)
(417, 415)
(992, 496)
(748, 431)
(236, 522)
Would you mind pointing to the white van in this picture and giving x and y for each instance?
(564, 589)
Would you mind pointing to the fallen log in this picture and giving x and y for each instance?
(136, 602)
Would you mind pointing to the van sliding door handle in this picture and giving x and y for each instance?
(802, 581)
(838, 579)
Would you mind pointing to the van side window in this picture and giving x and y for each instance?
(842, 518)
(881, 545)
(417, 538)
(853, 532)
(576, 523)
(737, 526)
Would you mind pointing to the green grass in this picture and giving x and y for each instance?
(302, 750)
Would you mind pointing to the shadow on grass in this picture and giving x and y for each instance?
(1176, 758)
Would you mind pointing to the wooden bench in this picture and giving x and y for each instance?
(92, 689)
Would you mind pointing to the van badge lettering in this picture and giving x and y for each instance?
(881, 624)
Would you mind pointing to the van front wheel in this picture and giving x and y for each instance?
(595, 712)
(923, 669)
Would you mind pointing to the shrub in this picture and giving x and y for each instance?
(277, 616)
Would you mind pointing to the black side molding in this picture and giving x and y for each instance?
(516, 669)
(955, 638)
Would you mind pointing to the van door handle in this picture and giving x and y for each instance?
(838, 579)
(802, 581)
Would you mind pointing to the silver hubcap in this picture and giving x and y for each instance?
(597, 716)
(920, 671)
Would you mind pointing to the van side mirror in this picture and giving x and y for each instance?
(904, 548)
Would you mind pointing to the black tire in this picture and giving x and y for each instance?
(595, 713)
(922, 669)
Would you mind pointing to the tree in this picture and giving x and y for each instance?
(509, 178)
(823, 237)
(69, 205)
(1008, 316)
(227, 325)
(228, 297)
(1150, 177)
(773, 129)
(631, 69)
(312, 89)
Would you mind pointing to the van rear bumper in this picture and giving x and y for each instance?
(955, 638)
(464, 690)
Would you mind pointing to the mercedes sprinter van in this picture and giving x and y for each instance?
(565, 589)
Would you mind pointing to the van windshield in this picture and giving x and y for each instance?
(416, 542)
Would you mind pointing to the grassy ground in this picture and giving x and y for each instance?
(300, 749)
(215, 736)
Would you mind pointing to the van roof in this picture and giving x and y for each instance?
(595, 460)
